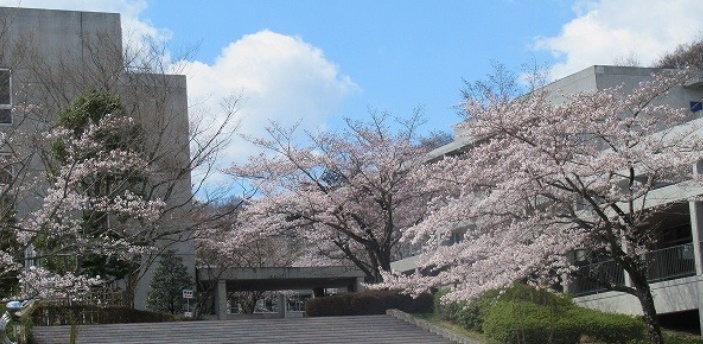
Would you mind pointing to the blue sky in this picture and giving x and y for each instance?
(317, 61)
(400, 54)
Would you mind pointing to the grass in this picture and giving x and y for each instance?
(433, 318)
(673, 337)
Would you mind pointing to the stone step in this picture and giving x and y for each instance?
(379, 329)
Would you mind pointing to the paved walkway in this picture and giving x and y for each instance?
(375, 329)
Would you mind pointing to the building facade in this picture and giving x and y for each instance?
(48, 57)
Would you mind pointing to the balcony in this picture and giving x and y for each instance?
(602, 271)
(670, 263)
(663, 264)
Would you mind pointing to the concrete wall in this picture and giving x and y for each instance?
(669, 296)
(59, 36)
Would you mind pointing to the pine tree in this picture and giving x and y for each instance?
(170, 278)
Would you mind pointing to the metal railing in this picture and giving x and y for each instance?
(602, 271)
(661, 265)
(670, 263)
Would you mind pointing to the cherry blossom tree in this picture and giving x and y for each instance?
(45, 81)
(545, 178)
(346, 194)
(221, 245)
(92, 209)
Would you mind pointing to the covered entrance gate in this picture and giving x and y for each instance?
(247, 279)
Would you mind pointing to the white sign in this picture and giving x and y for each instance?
(187, 294)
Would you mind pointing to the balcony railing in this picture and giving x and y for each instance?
(670, 263)
(602, 271)
(661, 265)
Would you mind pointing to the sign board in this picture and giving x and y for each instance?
(187, 294)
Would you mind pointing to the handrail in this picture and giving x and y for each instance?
(660, 265)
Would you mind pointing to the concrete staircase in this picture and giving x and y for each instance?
(376, 329)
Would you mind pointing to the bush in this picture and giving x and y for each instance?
(446, 310)
(522, 314)
(474, 313)
(49, 314)
(536, 316)
(468, 315)
(607, 327)
(512, 322)
(367, 303)
(471, 315)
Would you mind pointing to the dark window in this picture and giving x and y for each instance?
(5, 116)
(696, 106)
(5, 97)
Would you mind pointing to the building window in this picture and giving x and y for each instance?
(5, 97)
(696, 106)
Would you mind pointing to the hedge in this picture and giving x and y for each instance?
(48, 314)
(512, 322)
(522, 314)
(367, 303)
(469, 315)
(608, 327)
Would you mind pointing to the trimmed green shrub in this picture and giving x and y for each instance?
(474, 313)
(522, 314)
(328, 306)
(512, 322)
(607, 327)
(523, 292)
(535, 316)
(471, 315)
(367, 303)
(468, 315)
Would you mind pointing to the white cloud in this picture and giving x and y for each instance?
(606, 30)
(281, 78)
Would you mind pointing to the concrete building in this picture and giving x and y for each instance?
(48, 57)
(676, 265)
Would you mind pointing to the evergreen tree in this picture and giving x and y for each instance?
(170, 278)
(84, 113)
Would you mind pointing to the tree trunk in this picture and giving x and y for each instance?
(383, 259)
(644, 294)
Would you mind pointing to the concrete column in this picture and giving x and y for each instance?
(282, 305)
(221, 300)
(359, 285)
(696, 209)
(628, 280)
(696, 214)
